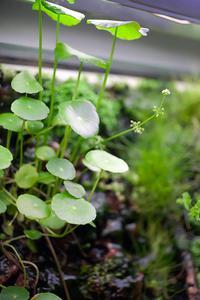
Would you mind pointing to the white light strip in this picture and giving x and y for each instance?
(180, 21)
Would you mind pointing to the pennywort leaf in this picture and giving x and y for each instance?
(61, 168)
(33, 127)
(30, 109)
(126, 30)
(3, 207)
(5, 158)
(11, 122)
(106, 161)
(73, 211)
(46, 296)
(68, 17)
(45, 178)
(63, 51)
(25, 83)
(32, 207)
(81, 115)
(74, 189)
(45, 153)
(33, 234)
(26, 176)
(14, 293)
(52, 221)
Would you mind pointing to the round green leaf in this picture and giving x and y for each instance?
(106, 161)
(45, 153)
(32, 207)
(33, 127)
(73, 211)
(45, 178)
(30, 109)
(46, 296)
(5, 158)
(126, 30)
(61, 168)
(74, 189)
(52, 221)
(11, 122)
(25, 83)
(67, 17)
(26, 176)
(90, 166)
(33, 234)
(3, 207)
(63, 51)
(14, 293)
(81, 115)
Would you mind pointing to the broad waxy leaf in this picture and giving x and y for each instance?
(33, 127)
(45, 153)
(46, 296)
(11, 122)
(67, 17)
(81, 115)
(5, 158)
(33, 234)
(74, 189)
(45, 178)
(90, 166)
(52, 221)
(14, 293)
(26, 176)
(3, 207)
(73, 211)
(32, 207)
(126, 30)
(25, 83)
(61, 168)
(106, 161)
(63, 51)
(30, 109)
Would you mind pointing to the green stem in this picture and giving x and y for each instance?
(64, 142)
(37, 277)
(13, 201)
(76, 148)
(95, 185)
(51, 248)
(9, 134)
(21, 146)
(107, 72)
(54, 74)
(40, 47)
(124, 132)
(77, 82)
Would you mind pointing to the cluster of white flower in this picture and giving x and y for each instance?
(159, 111)
(137, 127)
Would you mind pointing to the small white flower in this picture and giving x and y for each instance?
(166, 92)
(137, 128)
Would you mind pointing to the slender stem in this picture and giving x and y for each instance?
(54, 74)
(75, 150)
(13, 201)
(14, 239)
(77, 82)
(124, 132)
(21, 146)
(64, 142)
(95, 185)
(9, 134)
(37, 277)
(107, 72)
(40, 47)
(51, 248)
(20, 261)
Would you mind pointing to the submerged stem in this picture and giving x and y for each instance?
(107, 72)
(51, 248)
(40, 47)
(55, 66)
(95, 185)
